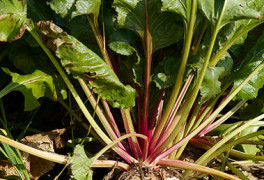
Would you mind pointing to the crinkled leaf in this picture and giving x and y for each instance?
(182, 7)
(75, 7)
(233, 10)
(211, 85)
(32, 86)
(131, 15)
(81, 62)
(238, 47)
(13, 18)
(251, 61)
(81, 164)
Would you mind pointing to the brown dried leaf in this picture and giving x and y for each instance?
(47, 141)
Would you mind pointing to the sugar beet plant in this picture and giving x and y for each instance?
(175, 69)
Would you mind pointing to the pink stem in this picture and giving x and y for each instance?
(112, 122)
(154, 115)
(111, 118)
(165, 133)
(205, 130)
(148, 53)
(134, 145)
(208, 127)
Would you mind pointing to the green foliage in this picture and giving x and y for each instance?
(185, 58)
(39, 10)
(210, 86)
(227, 11)
(33, 86)
(131, 15)
(122, 41)
(122, 48)
(13, 18)
(250, 148)
(166, 72)
(178, 6)
(81, 164)
(81, 62)
(251, 61)
(227, 63)
(79, 28)
(75, 8)
(225, 129)
(27, 59)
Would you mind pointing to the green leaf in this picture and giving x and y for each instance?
(251, 109)
(240, 29)
(130, 69)
(227, 63)
(81, 62)
(122, 42)
(74, 8)
(80, 28)
(251, 61)
(223, 129)
(87, 7)
(61, 7)
(13, 18)
(38, 10)
(81, 164)
(121, 48)
(166, 72)
(131, 15)
(27, 59)
(211, 85)
(182, 7)
(228, 32)
(33, 86)
(249, 148)
(233, 10)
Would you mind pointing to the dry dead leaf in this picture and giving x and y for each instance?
(47, 141)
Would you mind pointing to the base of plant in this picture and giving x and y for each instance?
(153, 173)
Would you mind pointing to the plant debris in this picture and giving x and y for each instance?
(47, 141)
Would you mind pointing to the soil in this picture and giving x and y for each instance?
(251, 171)
(153, 173)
